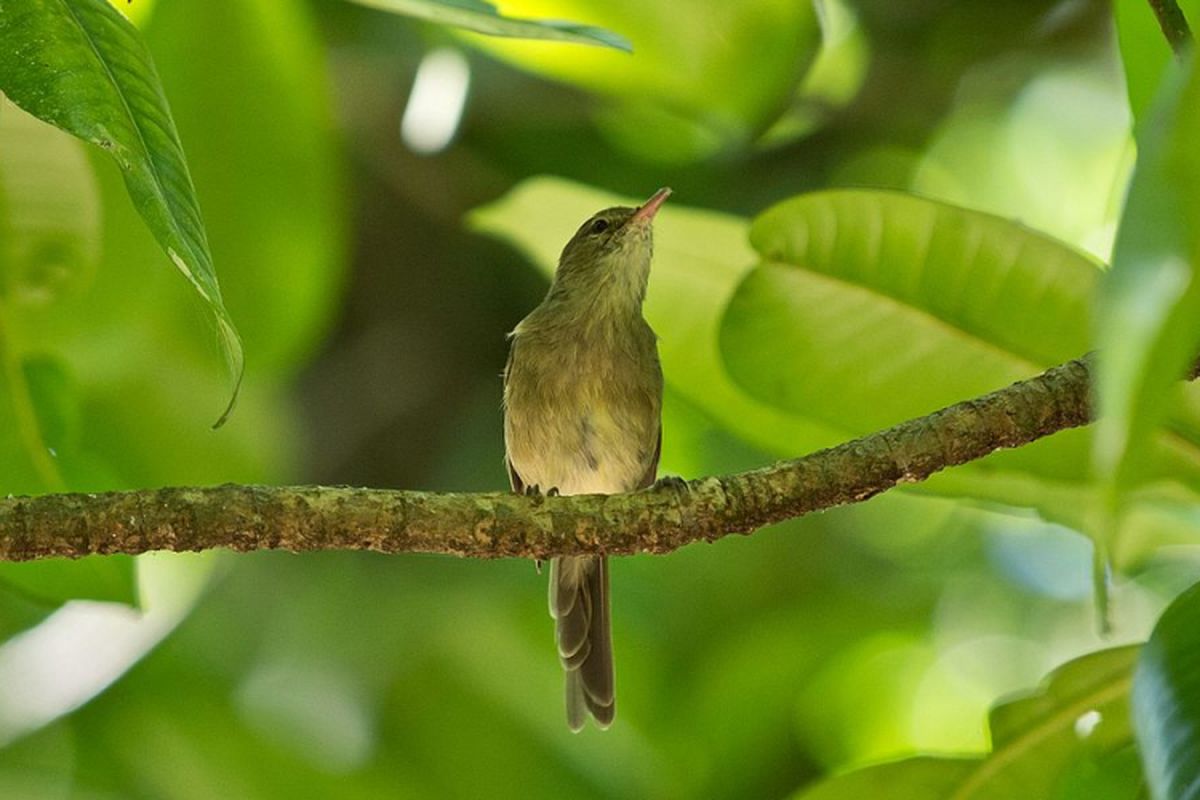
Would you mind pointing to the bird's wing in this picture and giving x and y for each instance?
(514, 479)
(652, 471)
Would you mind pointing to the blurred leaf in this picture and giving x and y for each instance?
(1166, 701)
(912, 779)
(1145, 52)
(54, 581)
(257, 120)
(859, 292)
(834, 79)
(483, 17)
(863, 295)
(82, 67)
(49, 210)
(999, 150)
(988, 297)
(684, 95)
(1079, 715)
(39, 767)
(1146, 327)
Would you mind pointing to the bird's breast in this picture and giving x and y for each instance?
(581, 419)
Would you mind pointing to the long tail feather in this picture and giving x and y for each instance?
(579, 604)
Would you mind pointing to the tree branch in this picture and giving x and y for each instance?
(1174, 25)
(493, 525)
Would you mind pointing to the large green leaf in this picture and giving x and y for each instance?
(143, 371)
(864, 295)
(482, 17)
(1166, 701)
(1041, 743)
(1149, 305)
(79, 65)
(283, 262)
(684, 95)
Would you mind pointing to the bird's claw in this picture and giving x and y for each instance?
(672, 482)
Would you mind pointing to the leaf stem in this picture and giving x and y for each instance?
(1174, 25)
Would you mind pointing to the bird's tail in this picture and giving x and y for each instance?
(583, 631)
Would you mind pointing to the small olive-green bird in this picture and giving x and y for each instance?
(582, 415)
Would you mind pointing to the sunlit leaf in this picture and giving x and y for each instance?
(482, 17)
(1080, 716)
(81, 66)
(1166, 701)
(864, 295)
(684, 94)
(1146, 325)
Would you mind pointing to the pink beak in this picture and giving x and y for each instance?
(651, 206)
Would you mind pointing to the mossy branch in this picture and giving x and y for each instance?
(493, 525)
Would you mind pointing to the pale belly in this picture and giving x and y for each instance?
(594, 434)
(587, 451)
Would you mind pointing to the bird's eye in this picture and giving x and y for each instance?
(599, 226)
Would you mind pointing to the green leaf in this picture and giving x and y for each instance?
(1145, 53)
(1146, 327)
(54, 581)
(1166, 701)
(1041, 743)
(911, 779)
(684, 96)
(863, 295)
(283, 262)
(79, 65)
(481, 17)
(903, 283)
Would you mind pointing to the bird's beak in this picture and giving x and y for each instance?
(650, 207)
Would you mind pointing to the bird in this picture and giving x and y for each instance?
(583, 415)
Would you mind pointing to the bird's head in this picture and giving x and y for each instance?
(610, 253)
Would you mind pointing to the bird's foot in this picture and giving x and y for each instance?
(672, 482)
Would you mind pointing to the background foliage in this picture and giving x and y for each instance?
(880, 209)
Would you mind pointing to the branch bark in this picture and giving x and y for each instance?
(656, 520)
(1174, 25)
